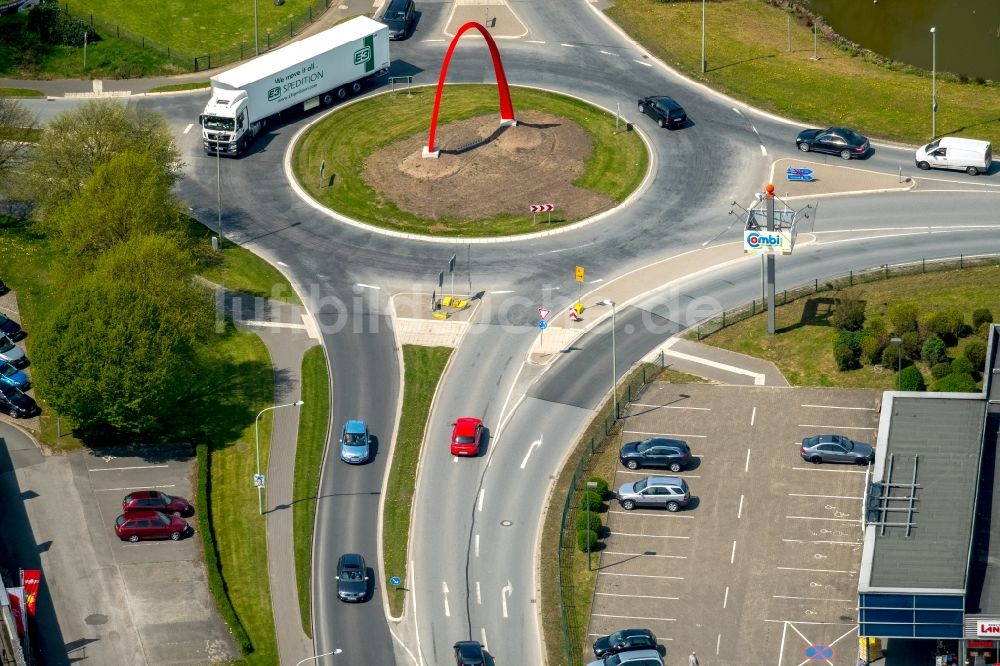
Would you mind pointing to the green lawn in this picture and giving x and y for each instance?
(179, 87)
(346, 138)
(802, 347)
(20, 92)
(748, 58)
(423, 367)
(313, 421)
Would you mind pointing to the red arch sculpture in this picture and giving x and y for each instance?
(506, 108)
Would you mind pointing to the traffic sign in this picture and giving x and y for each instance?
(542, 208)
(800, 174)
(394, 581)
(543, 325)
(258, 480)
(543, 313)
(579, 273)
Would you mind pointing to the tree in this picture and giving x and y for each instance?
(975, 351)
(933, 351)
(903, 317)
(76, 142)
(981, 316)
(125, 197)
(849, 314)
(911, 379)
(956, 383)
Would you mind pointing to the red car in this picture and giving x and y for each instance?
(138, 525)
(154, 500)
(465, 436)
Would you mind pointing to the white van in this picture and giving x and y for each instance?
(952, 152)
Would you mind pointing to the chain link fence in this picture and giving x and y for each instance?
(200, 62)
(842, 281)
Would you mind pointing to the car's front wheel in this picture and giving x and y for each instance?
(845, 154)
(642, 108)
(972, 171)
(628, 505)
(661, 123)
(134, 538)
(673, 506)
(675, 467)
(175, 536)
(632, 464)
(804, 147)
(862, 461)
(923, 165)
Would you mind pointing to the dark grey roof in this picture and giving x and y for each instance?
(939, 435)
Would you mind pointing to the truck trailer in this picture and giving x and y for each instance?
(313, 72)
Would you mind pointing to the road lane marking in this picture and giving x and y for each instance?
(504, 291)
(571, 46)
(739, 513)
(839, 520)
(597, 281)
(860, 409)
(281, 263)
(838, 571)
(444, 587)
(725, 599)
(105, 490)
(825, 496)
(411, 579)
(753, 416)
(479, 506)
(646, 473)
(641, 513)
(477, 548)
(637, 596)
(367, 286)
(846, 601)
(534, 41)
(535, 444)
(763, 152)
(505, 592)
(609, 53)
(718, 640)
(479, 594)
(188, 128)
(482, 630)
(746, 466)
(732, 557)
(432, 40)
(836, 471)
(644, 64)
(118, 469)
(834, 543)
(835, 427)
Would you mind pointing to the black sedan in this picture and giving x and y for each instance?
(352, 578)
(623, 641)
(836, 448)
(11, 328)
(664, 110)
(469, 653)
(673, 454)
(834, 140)
(16, 403)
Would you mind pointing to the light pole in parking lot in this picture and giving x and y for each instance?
(899, 358)
(590, 486)
(933, 83)
(318, 656)
(703, 64)
(256, 45)
(614, 369)
(256, 434)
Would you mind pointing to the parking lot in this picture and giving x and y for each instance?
(762, 567)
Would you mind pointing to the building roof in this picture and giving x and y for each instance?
(935, 439)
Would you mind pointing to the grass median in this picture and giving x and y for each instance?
(422, 368)
(313, 421)
(748, 58)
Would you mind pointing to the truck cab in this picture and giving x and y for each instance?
(224, 123)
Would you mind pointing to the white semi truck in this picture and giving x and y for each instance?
(300, 76)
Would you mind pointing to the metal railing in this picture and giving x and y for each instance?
(189, 61)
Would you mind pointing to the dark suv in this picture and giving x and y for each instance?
(664, 110)
(11, 328)
(398, 15)
(672, 454)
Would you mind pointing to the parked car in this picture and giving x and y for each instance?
(154, 500)
(836, 448)
(834, 140)
(16, 403)
(624, 640)
(635, 658)
(953, 152)
(355, 443)
(399, 15)
(469, 653)
(11, 376)
(140, 525)
(465, 436)
(669, 492)
(352, 578)
(672, 454)
(11, 353)
(11, 328)
(664, 110)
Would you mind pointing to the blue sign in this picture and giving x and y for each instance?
(819, 652)
(394, 581)
(796, 173)
(542, 324)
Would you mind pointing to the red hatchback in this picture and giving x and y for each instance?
(465, 436)
(139, 525)
(154, 500)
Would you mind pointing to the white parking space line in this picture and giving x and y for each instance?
(695, 409)
(611, 573)
(763, 151)
(725, 599)
(860, 409)
(739, 512)
(746, 467)
(834, 543)
(651, 536)
(846, 601)
(665, 557)
(636, 596)
(368, 286)
(637, 617)
(732, 557)
(106, 490)
(118, 469)
(825, 496)
(834, 427)
(658, 637)
(479, 504)
(646, 473)
(188, 128)
(570, 46)
(793, 622)
(646, 513)
(839, 520)
(753, 416)
(837, 471)
(837, 571)
(660, 434)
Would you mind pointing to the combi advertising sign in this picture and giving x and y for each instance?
(767, 242)
(988, 628)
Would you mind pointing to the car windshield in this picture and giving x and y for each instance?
(852, 137)
(217, 123)
(642, 447)
(465, 439)
(5, 344)
(119, 520)
(847, 444)
(351, 574)
(354, 438)
(8, 370)
(161, 519)
(640, 485)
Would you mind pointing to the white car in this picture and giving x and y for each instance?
(10, 352)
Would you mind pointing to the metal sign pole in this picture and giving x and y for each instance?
(769, 200)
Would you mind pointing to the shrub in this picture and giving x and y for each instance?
(849, 314)
(912, 343)
(602, 486)
(891, 358)
(850, 338)
(588, 520)
(877, 328)
(939, 370)
(948, 326)
(845, 358)
(911, 379)
(871, 348)
(962, 366)
(933, 351)
(903, 317)
(586, 540)
(981, 316)
(975, 351)
(956, 383)
(591, 500)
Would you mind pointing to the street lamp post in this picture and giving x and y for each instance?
(218, 175)
(317, 656)
(703, 64)
(933, 83)
(590, 486)
(256, 434)
(614, 369)
(899, 359)
(256, 44)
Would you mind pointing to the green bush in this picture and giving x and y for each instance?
(903, 317)
(956, 383)
(602, 486)
(586, 540)
(975, 351)
(948, 326)
(591, 500)
(939, 370)
(848, 314)
(934, 351)
(912, 342)
(845, 358)
(962, 366)
(981, 316)
(876, 327)
(871, 348)
(850, 338)
(207, 533)
(892, 359)
(911, 379)
(588, 520)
